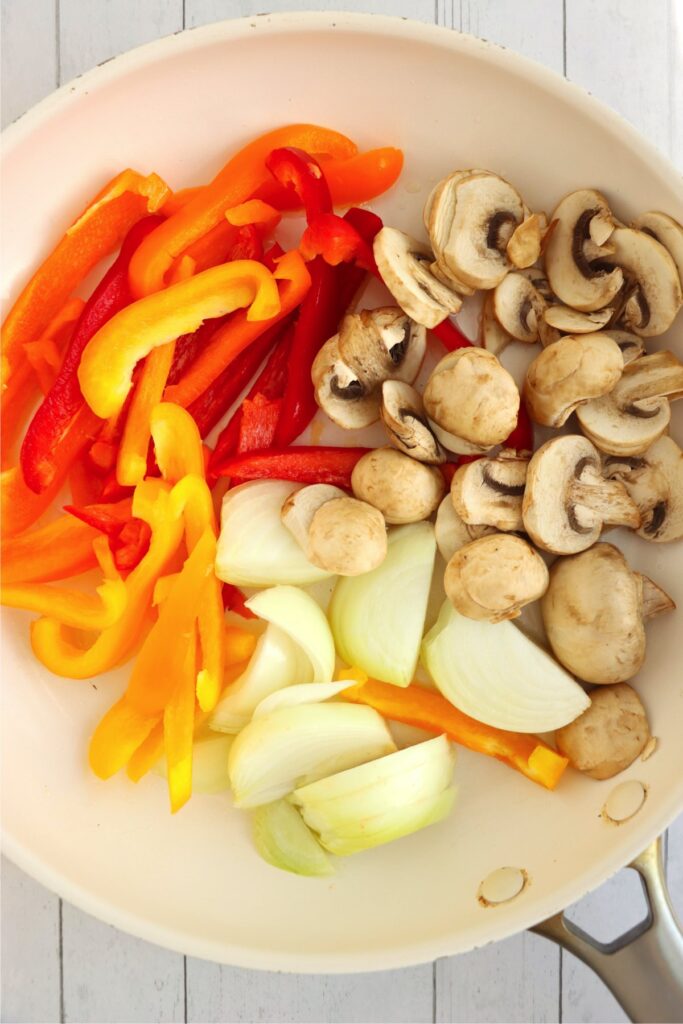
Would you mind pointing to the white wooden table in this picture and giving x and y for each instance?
(59, 964)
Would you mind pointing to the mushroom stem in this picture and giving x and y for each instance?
(655, 600)
(609, 503)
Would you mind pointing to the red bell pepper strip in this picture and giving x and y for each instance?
(337, 241)
(128, 536)
(248, 245)
(235, 601)
(353, 180)
(305, 464)
(450, 336)
(302, 176)
(258, 423)
(522, 437)
(59, 407)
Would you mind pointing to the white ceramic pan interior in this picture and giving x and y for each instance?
(193, 882)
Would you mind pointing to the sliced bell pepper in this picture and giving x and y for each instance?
(54, 417)
(234, 184)
(305, 464)
(238, 332)
(211, 249)
(176, 200)
(147, 754)
(57, 551)
(118, 735)
(98, 231)
(85, 486)
(183, 268)
(522, 437)
(188, 347)
(240, 644)
(106, 367)
(248, 245)
(254, 211)
(258, 423)
(337, 241)
(298, 172)
(429, 710)
(234, 601)
(354, 180)
(128, 536)
(450, 336)
(131, 464)
(177, 444)
(179, 723)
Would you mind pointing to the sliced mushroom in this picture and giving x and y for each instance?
(490, 491)
(567, 500)
(667, 231)
(471, 221)
(656, 287)
(593, 613)
(452, 533)
(450, 280)
(577, 277)
(493, 336)
(524, 247)
(404, 266)
(568, 373)
(491, 579)
(571, 321)
(609, 735)
(337, 533)
(339, 392)
(518, 307)
(472, 401)
(637, 411)
(405, 491)
(403, 415)
(546, 334)
(654, 481)
(631, 346)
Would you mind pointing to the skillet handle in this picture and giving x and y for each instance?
(643, 968)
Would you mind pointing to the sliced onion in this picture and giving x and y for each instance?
(378, 619)
(283, 840)
(293, 746)
(277, 662)
(254, 548)
(209, 764)
(302, 618)
(378, 802)
(494, 673)
(293, 696)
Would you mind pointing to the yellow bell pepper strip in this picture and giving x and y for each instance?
(57, 551)
(234, 184)
(238, 333)
(429, 710)
(107, 364)
(131, 464)
(179, 725)
(97, 232)
(177, 445)
(117, 736)
(74, 607)
(148, 753)
(53, 647)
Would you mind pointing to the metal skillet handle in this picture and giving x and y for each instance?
(644, 967)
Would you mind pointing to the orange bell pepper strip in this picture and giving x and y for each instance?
(97, 232)
(209, 250)
(238, 333)
(176, 200)
(57, 551)
(234, 184)
(148, 753)
(74, 607)
(107, 364)
(240, 644)
(117, 736)
(185, 266)
(429, 710)
(131, 465)
(254, 211)
(179, 725)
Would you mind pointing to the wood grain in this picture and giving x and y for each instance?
(28, 68)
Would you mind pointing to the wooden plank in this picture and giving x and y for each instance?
(201, 12)
(109, 976)
(30, 973)
(217, 993)
(534, 28)
(676, 118)
(674, 865)
(94, 32)
(29, 55)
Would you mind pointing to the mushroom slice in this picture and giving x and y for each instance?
(490, 491)
(657, 294)
(493, 336)
(403, 415)
(491, 579)
(609, 735)
(404, 266)
(524, 247)
(442, 274)
(571, 321)
(518, 307)
(593, 613)
(567, 501)
(582, 219)
(637, 411)
(405, 491)
(404, 341)
(667, 231)
(654, 481)
(631, 346)
(471, 221)
(452, 533)
(472, 400)
(339, 392)
(546, 334)
(568, 373)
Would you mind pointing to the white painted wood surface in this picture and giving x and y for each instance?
(59, 964)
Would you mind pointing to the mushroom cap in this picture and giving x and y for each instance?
(452, 533)
(493, 337)
(567, 500)
(658, 297)
(524, 247)
(654, 481)
(403, 415)
(490, 491)
(347, 537)
(575, 276)
(492, 578)
(637, 411)
(518, 307)
(471, 220)
(592, 613)
(405, 491)
(471, 396)
(381, 343)
(568, 373)
(571, 321)
(403, 264)
(609, 735)
(339, 392)
(667, 231)
(298, 510)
